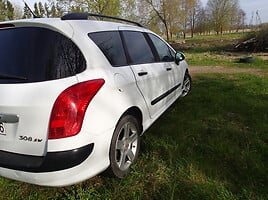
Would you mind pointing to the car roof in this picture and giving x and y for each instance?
(68, 27)
(50, 23)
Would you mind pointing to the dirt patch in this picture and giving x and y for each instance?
(195, 70)
(263, 56)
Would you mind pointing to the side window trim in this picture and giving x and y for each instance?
(125, 47)
(152, 46)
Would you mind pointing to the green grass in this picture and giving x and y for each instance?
(217, 50)
(209, 145)
(210, 43)
(223, 59)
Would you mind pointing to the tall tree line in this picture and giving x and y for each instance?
(56, 8)
(167, 17)
(190, 16)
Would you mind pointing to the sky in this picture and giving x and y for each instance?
(249, 6)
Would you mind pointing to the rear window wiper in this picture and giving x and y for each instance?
(5, 76)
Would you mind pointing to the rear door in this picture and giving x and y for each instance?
(154, 79)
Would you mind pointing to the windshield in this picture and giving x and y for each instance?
(32, 54)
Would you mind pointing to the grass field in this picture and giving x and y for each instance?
(211, 145)
(213, 50)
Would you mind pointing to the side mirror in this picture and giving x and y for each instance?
(179, 57)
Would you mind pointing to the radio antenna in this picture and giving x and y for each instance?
(27, 6)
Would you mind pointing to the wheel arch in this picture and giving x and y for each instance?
(135, 112)
(187, 71)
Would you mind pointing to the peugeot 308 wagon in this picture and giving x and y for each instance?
(77, 94)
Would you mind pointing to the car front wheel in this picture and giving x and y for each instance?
(187, 85)
(125, 146)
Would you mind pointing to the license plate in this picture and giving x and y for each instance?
(2, 129)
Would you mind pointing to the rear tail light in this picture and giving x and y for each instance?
(69, 109)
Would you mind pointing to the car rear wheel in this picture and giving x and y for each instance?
(187, 85)
(125, 146)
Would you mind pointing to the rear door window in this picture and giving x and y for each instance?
(138, 48)
(32, 54)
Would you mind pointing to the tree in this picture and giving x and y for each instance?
(51, 8)
(26, 13)
(2, 11)
(166, 11)
(238, 22)
(173, 21)
(59, 7)
(202, 24)
(42, 11)
(10, 10)
(47, 10)
(39, 10)
(184, 16)
(176, 15)
(36, 10)
(221, 11)
(6, 10)
(18, 11)
(194, 7)
(128, 9)
(103, 7)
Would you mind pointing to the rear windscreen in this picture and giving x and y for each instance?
(32, 54)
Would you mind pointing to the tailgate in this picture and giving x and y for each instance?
(24, 115)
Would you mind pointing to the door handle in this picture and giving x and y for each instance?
(142, 73)
(169, 69)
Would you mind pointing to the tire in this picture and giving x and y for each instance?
(187, 85)
(125, 146)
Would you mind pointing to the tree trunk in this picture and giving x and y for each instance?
(167, 33)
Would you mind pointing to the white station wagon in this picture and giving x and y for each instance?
(77, 94)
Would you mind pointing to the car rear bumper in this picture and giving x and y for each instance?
(53, 161)
(94, 161)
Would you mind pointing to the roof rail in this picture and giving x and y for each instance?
(84, 16)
